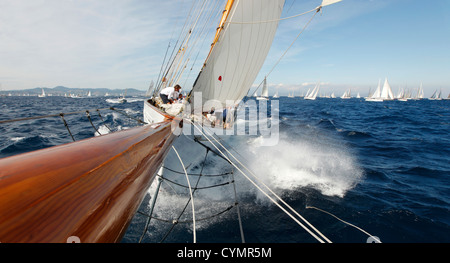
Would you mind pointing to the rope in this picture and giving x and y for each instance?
(267, 195)
(176, 221)
(199, 188)
(67, 126)
(98, 111)
(190, 192)
(241, 229)
(278, 197)
(93, 126)
(276, 20)
(44, 116)
(206, 175)
(152, 206)
(345, 222)
(184, 209)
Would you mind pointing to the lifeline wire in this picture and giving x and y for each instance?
(190, 192)
(345, 222)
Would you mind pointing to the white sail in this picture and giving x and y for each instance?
(265, 91)
(347, 94)
(314, 92)
(150, 89)
(377, 93)
(329, 2)
(420, 92)
(436, 96)
(382, 94)
(276, 94)
(386, 93)
(42, 94)
(238, 51)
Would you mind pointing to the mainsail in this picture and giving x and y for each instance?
(238, 51)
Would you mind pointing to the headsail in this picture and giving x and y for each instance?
(329, 2)
(239, 50)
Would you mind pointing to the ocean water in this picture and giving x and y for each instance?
(383, 167)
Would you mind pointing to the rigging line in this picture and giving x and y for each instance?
(98, 111)
(199, 188)
(160, 179)
(169, 77)
(262, 191)
(46, 116)
(276, 20)
(165, 56)
(285, 52)
(192, 32)
(90, 120)
(206, 175)
(188, 221)
(200, 35)
(270, 190)
(236, 203)
(203, 36)
(67, 126)
(345, 222)
(190, 192)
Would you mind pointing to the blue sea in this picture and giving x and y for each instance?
(383, 167)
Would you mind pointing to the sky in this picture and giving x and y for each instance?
(121, 44)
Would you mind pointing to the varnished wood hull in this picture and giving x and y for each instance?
(88, 189)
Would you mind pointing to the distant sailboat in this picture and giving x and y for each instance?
(436, 97)
(291, 95)
(123, 99)
(265, 91)
(150, 89)
(347, 94)
(314, 92)
(420, 92)
(376, 95)
(383, 94)
(276, 94)
(42, 95)
(386, 93)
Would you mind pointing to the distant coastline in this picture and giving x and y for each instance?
(65, 91)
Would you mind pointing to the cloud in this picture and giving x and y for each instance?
(98, 43)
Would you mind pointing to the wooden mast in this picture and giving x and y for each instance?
(89, 189)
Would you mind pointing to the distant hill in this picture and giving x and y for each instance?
(62, 91)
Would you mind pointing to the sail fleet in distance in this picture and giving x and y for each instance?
(382, 93)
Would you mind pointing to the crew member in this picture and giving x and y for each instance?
(169, 94)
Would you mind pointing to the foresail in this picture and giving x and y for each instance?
(239, 50)
(329, 2)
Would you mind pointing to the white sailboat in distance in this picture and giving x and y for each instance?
(265, 91)
(42, 95)
(313, 94)
(381, 95)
